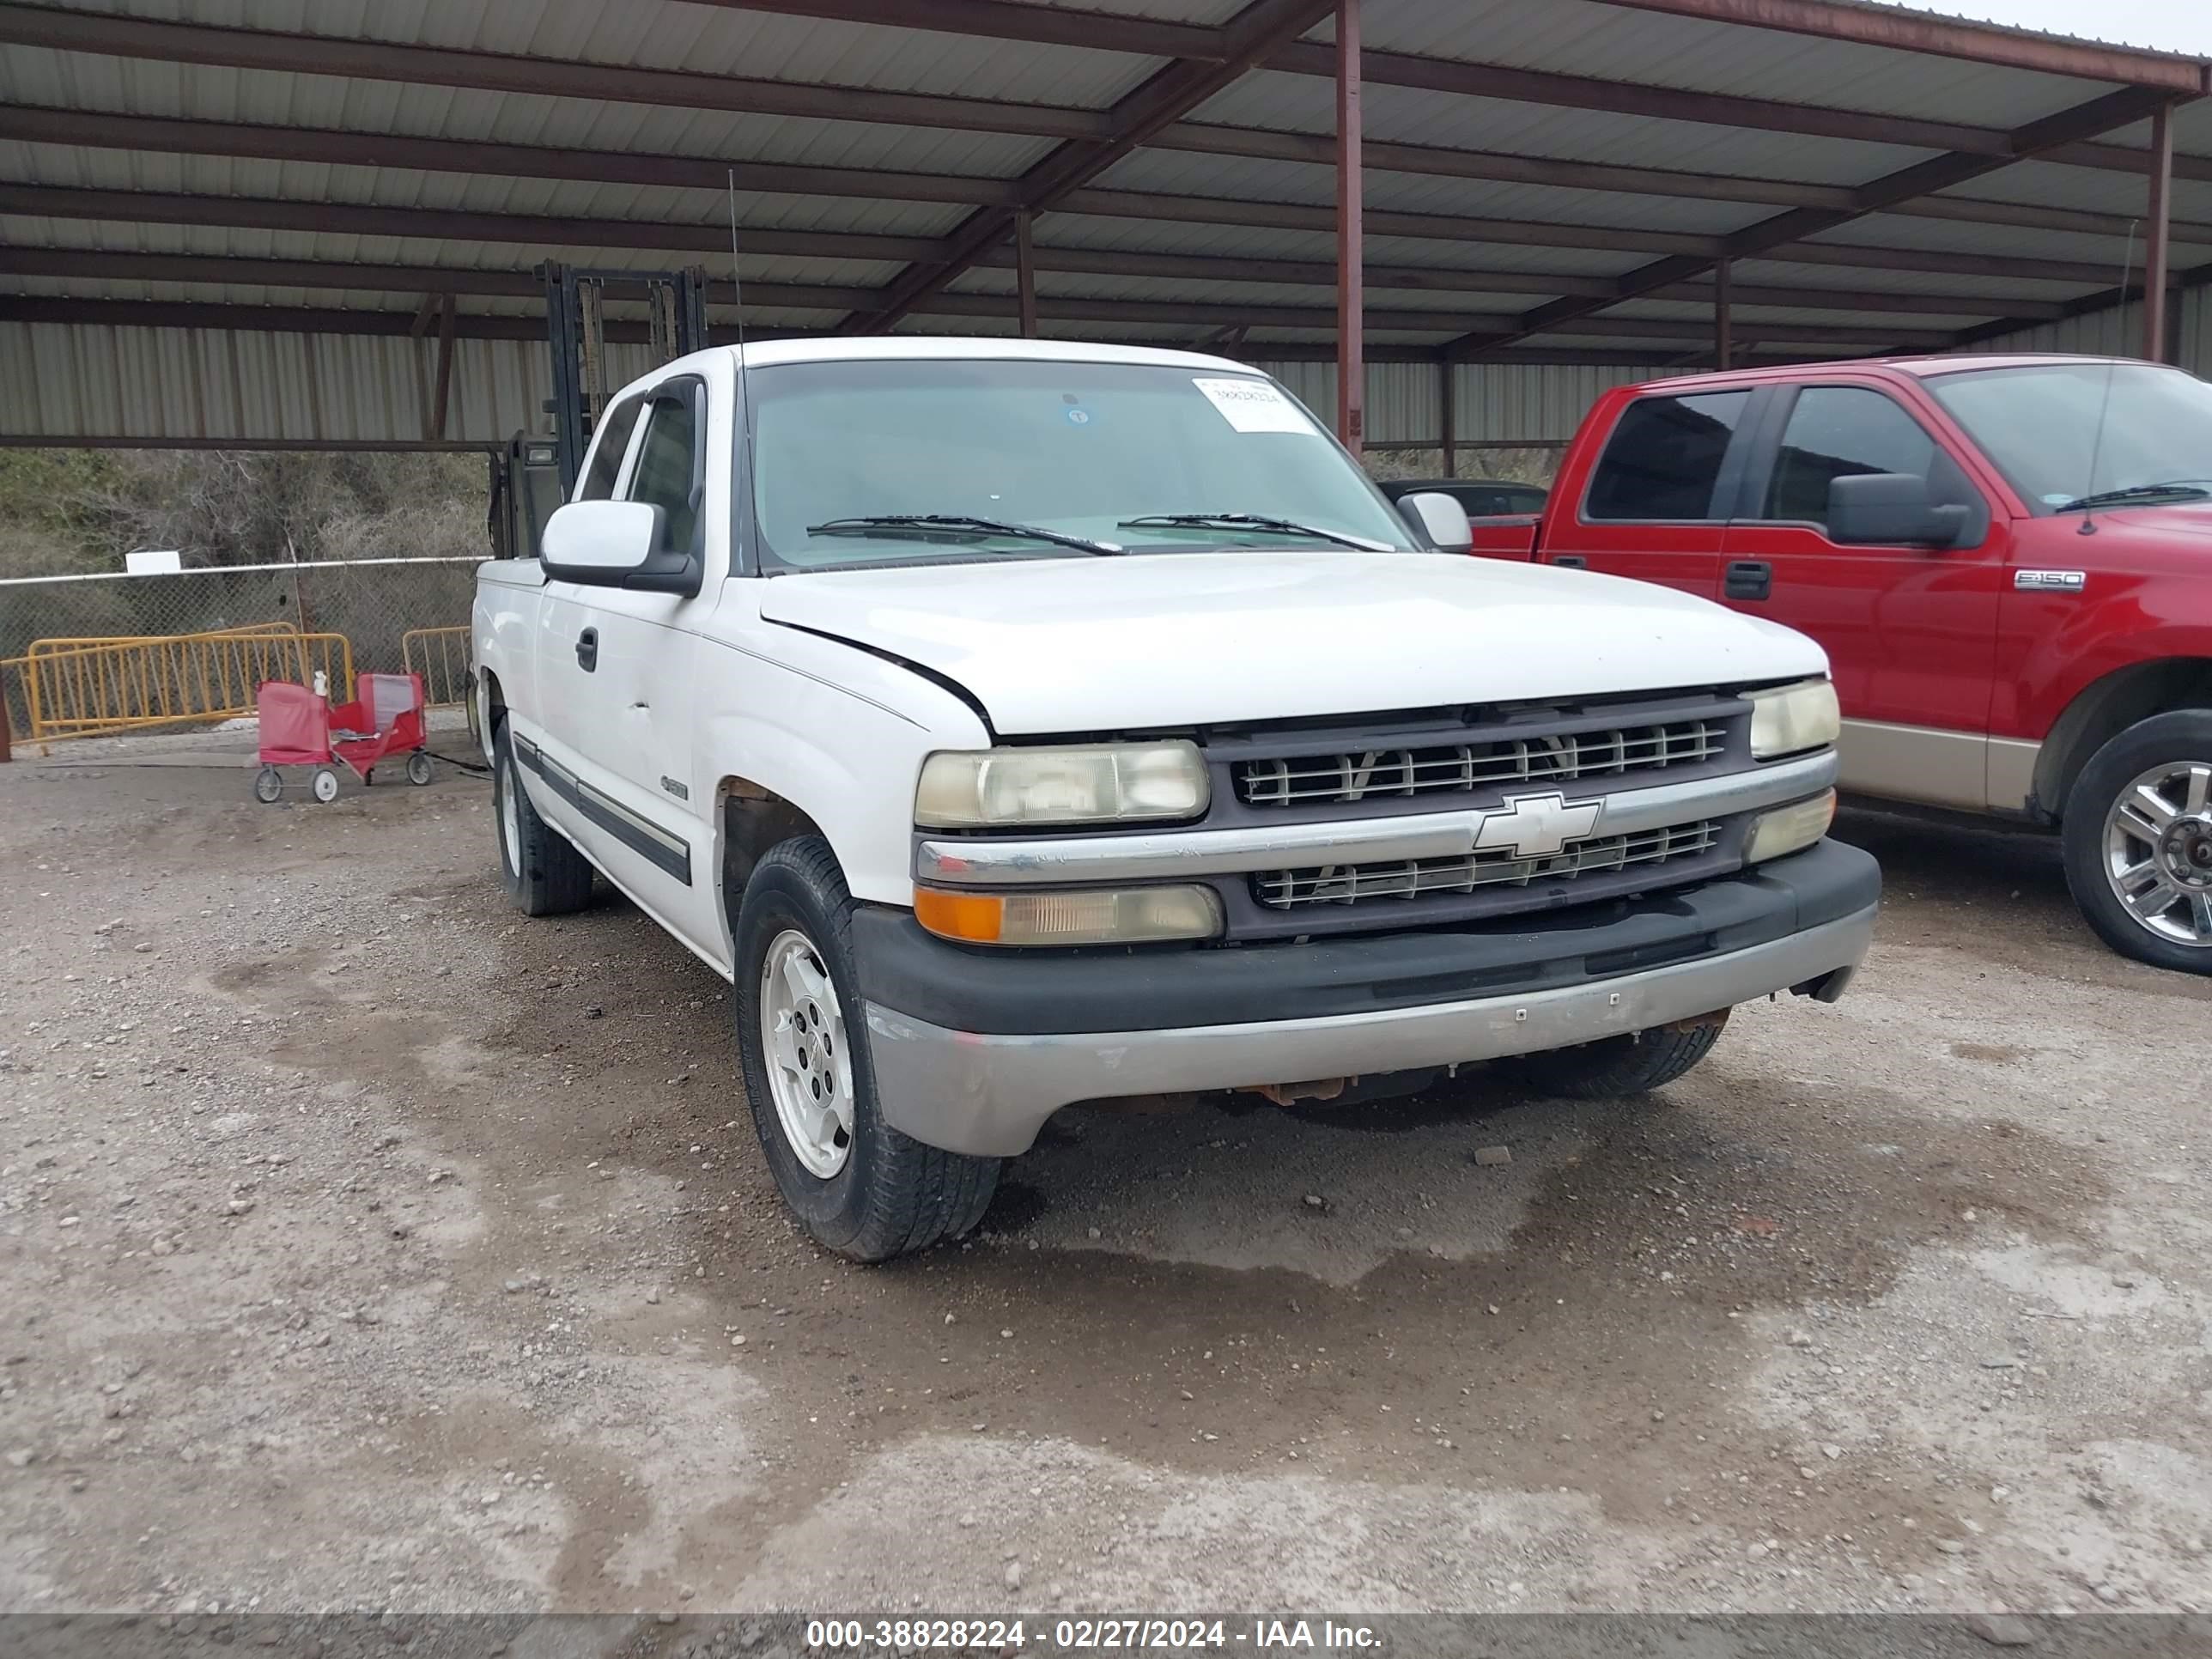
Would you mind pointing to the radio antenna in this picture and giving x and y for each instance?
(2112, 365)
(744, 394)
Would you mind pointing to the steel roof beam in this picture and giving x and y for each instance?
(448, 280)
(514, 229)
(1902, 31)
(116, 35)
(338, 147)
(1555, 90)
(306, 319)
(1003, 20)
(104, 264)
(1163, 99)
(70, 201)
(2098, 115)
(1495, 166)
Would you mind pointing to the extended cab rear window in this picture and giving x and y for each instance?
(1665, 458)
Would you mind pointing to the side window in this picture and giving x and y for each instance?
(1843, 431)
(1665, 458)
(615, 427)
(666, 463)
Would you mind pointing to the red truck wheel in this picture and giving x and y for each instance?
(2138, 842)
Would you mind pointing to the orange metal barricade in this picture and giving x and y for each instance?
(440, 656)
(78, 688)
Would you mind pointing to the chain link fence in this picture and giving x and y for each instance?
(376, 603)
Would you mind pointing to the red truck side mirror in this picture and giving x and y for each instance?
(1891, 509)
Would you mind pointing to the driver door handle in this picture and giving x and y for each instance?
(588, 649)
(1748, 578)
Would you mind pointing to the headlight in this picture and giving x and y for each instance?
(1790, 829)
(1791, 719)
(1109, 784)
(1133, 916)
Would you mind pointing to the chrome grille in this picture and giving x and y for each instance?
(1406, 879)
(1363, 774)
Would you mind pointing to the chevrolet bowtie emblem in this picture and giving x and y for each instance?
(1537, 826)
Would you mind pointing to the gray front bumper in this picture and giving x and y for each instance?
(989, 1093)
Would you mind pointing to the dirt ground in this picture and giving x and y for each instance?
(365, 1245)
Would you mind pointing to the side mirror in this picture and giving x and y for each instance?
(615, 545)
(1889, 509)
(1441, 518)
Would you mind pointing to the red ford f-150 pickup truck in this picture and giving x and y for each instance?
(2009, 559)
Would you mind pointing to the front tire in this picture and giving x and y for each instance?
(542, 873)
(859, 1187)
(2137, 837)
(1613, 1067)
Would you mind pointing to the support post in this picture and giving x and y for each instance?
(1723, 344)
(443, 396)
(2155, 237)
(1448, 415)
(1350, 354)
(1026, 275)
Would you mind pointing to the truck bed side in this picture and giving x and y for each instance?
(1506, 537)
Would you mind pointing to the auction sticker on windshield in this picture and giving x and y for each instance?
(1253, 405)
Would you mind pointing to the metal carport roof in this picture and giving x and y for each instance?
(1543, 183)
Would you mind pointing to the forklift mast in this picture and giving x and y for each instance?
(537, 472)
(576, 329)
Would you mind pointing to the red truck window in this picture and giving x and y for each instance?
(1665, 458)
(1840, 432)
(1845, 431)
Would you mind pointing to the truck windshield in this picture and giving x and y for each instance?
(2041, 425)
(1130, 457)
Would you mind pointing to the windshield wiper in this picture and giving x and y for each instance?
(1255, 521)
(881, 523)
(2179, 490)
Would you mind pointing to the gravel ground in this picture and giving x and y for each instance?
(367, 1246)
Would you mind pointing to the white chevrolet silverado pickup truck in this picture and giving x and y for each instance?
(1018, 724)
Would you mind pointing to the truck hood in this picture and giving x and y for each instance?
(1158, 641)
(2192, 519)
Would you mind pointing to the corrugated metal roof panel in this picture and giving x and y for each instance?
(2086, 189)
(707, 39)
(267, 97)
(1949, 236)
(1180, 290)
(101, 169)
(1177, 236)
(124, 240)
(1180, 11)
(1583, 37)
(1454, 120)
(1176, 173)
(1763, 320)
(1874, 279)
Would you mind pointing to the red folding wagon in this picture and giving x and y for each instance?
(299, 728)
